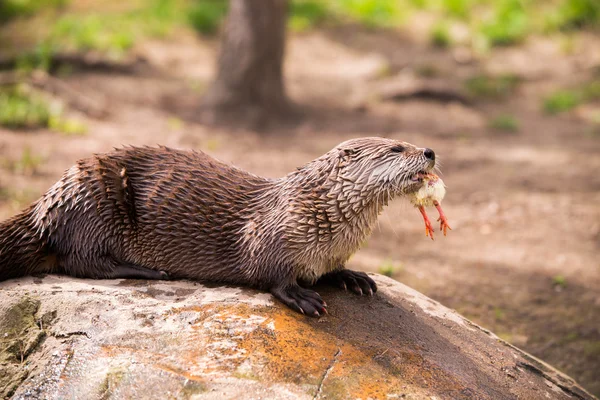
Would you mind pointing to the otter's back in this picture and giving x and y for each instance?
(187, 209)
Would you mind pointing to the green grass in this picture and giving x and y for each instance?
(115, 33)
(306, 14)
(505, 122)
(67, 126)
(17, 199)
(559, 280)
(371, 13)
(24, 108)
(10, 9)
(28, 163)
(440, 35)
(389, 267)
(566, 99)
(508, 24)
(21, 108)
(206, 16)
(492, 86)
(561, 101)
(573, 14)
(490, 22)
(499, 314)
(110, 33)
(592, 348)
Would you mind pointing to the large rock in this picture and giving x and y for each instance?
(123, 339)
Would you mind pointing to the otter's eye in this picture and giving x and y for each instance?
(397, 149)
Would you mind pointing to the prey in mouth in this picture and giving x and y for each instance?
(431, 193)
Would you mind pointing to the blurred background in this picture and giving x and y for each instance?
(507, 92)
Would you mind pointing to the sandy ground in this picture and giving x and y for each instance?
(522, 258)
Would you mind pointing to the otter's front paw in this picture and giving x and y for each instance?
(358, 282)
(304, 301)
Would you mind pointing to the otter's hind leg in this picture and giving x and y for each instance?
(106, 267)
(304, 301)
(132, 271)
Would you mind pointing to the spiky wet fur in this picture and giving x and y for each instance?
(195, 217)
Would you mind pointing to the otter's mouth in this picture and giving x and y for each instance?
(419, 176)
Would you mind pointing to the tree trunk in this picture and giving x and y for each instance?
(249, 86)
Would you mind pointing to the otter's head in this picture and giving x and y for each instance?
(383, 167)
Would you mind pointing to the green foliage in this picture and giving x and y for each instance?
(440, 36)
(591, 91)
(21, 108)
(67, 126)
(305, 14)
(491, 22)
(508, 25)
(559, 280)
(94, 32)
(562, 100)
(567, 99)
(371, 13)
(427, 71)
(111, 33)
(505, 122)
(573, 14)
(492, 86)
(388, 267)
(28, 163)
(458, 8)
(206, 16)
(592, 348)
(10, 9)
(499, 313)
(38, 58)
(114, 33)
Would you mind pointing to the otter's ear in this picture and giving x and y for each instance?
(345, 155)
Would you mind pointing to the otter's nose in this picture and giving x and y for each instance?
(429, 154)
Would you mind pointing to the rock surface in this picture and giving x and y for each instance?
(123, 339)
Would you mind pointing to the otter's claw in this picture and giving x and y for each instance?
(358, 282)
(305, 301)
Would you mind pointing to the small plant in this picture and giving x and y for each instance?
(592, 348)
(67, 126)
(206, 16)
(389, 267)
(175, 123)
(20, 108)
(23, 8)
(372, 13)
(573, 14)
(499, 314)
(427, 71)
(440, 35)
(509, 24)
(28, 163)
(505, 122)
(305, 14)
(559, 280)
(492, 86)
(561, 101)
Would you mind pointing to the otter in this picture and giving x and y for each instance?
(158, 213)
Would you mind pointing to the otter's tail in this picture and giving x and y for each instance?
(21, 249)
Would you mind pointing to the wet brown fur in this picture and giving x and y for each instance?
(137, 211)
